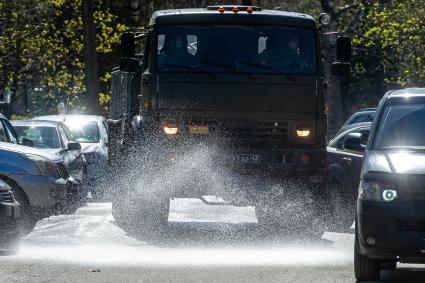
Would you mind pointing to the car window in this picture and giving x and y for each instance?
(401, 124)
(363, 118)
(64, 136)
(41, 136)
(3, 135)
(13, 137)
(339, 144)
(83, 131)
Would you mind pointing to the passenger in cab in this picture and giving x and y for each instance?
(283, 53)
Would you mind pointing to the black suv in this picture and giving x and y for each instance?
(9, 213)
(390, 216)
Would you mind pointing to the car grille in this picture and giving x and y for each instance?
(258, 133)
(6, 196)
(62, 170)
(411, 225)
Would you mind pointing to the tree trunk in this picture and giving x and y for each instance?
(90, 58)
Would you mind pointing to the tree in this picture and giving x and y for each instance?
(393, 33)
(41, 51)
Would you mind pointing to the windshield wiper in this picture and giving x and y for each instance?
(188, 67)
(257, 65)
(233, 68)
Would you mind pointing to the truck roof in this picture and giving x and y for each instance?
(211, 15)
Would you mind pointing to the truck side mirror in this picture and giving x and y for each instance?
(128, 44)
(343, 49)
(340, 69)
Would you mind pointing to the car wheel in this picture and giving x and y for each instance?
(365, 268)
(27, 220)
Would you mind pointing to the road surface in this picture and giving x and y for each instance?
(89, 247)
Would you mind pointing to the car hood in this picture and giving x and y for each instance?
(28, 150)
(90, 147)
(400, 162)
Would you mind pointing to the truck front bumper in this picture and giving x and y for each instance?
(288, 161)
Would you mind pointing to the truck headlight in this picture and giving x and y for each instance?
(45, 166)
(376, 191)
(170, 130)
(303, 132)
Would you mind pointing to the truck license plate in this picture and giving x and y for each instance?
(246, 158)
(199, 130)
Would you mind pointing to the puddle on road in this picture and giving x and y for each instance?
(90, 237)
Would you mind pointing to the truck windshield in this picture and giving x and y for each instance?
(401, 124)
(236, 49)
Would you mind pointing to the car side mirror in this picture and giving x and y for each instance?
(74, 146)
(353, 142)
(27, 142)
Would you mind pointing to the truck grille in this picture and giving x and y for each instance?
(240, 131)
(6, 196)
(62, 170)
(411, 225)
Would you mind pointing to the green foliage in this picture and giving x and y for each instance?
(394, 34)
(41, 48)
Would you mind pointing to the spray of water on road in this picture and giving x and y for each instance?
(289, 233)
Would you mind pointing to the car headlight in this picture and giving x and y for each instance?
(45, 166)
(170, 130)
(376, 191)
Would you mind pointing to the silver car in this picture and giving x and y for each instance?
(91, 132)
(55, 138)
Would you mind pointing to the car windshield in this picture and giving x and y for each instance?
(83, 131)
(236, 49)
(401, 124)
(362, 118)
(41, 136)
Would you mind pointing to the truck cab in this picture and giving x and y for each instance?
(244, 78)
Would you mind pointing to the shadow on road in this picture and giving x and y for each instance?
(401, 275)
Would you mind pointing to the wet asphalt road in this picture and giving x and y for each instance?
(89, 247)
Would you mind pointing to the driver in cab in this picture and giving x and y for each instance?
(175, 52)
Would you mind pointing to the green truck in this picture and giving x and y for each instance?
(246, 79)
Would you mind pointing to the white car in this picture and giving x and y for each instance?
(92, 133)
